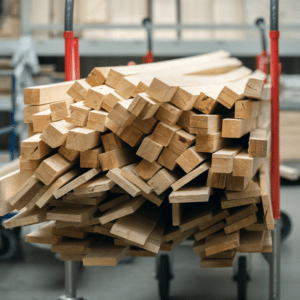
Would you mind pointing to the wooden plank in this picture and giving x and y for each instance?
(199, 246)
(35, 148)
(185, 96)
(79, 114)
(247, 109)
(110, 101)
(181, 141)
(246, 166)
(32, 202)
(30, 111)
(216, 180)
(69, 154)
(60, 110)
(138, 226)
(144, 106)
(113, 201)
(216, 262)
(168, 113)
(52, 168)
(100, 197)
(41, 120)
(82, 139)
(190, 159)
(146, 126)
(177, 212)
(138, 252)
(241, 224)
(129, 173)
(27, 217)
(78, 90)
(206, 124)
(217, 216)
(97, 76)
(196, 216)
(149, 149)
(168, 159)
(99, 183)
(163, 133)
(120, 114)
(254, 88)
(68, 214)
(98, 116)
(95, 126)
(146, 169)
(252, 190)
(132, 136)
(43, 235)
(117, 158)
(45, 94)
(267, 242)
(236, 128)
(26, 193)
(222, 160)
(56, 133)
(209, 231)
(209, 143)
(105, 255)
(164, 91)
(234, 91)
(89, 159)
(237, 183)
(73, 246)
(265, 197)
(185, 119)
(163, 180)
(123, 209)
(48, 195)
(240, 202)
(241, 213)
(115, 175)
(154, 198)
(221, 242)
(76, 182)
(259, 143)
(111, 142)
(190, 176)
(190, 194)
(96, 95)
(251, 241)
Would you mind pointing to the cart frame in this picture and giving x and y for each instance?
(72, 67)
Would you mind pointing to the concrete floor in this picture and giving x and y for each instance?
(41, 276)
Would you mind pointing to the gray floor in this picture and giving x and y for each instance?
(41, 276)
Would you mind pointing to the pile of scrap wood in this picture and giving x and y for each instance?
(137, 159)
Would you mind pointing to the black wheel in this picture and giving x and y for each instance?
(242, 278)
(16, 231)
(9, 244)
(286, 226)
(164, 277)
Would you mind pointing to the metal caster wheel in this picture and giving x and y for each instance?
(242, 278)
(164, 277)
(286, 226)
(65, 298)
(9, 244)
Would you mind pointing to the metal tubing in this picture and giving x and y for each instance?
(178, 5)
(13, 137)
(69, 9)
(274, 14)
(274, 275)
(70, 279)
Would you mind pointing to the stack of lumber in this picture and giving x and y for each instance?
(133, 160)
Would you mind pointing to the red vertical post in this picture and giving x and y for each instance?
(77, 58)
(275, 175)
(68, 35)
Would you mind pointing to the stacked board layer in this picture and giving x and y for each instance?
(136, 159)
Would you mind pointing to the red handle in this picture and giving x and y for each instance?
(262, 63)
(275, 160)
(72, 60)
